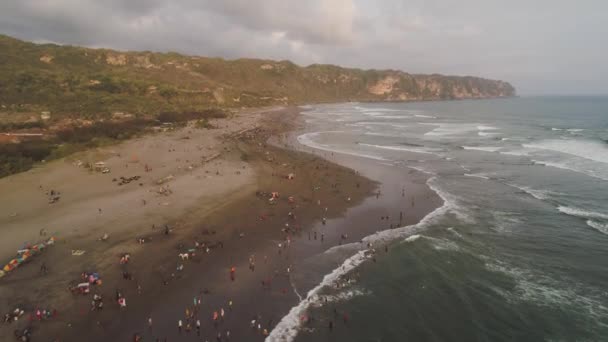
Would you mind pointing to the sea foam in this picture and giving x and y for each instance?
(287, 329)
(582, 213)
(587, 149)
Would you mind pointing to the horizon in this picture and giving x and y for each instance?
(553, 52)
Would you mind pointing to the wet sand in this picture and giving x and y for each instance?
(227, 210)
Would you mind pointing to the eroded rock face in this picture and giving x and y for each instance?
(266, 67)
(46, 59)
(383, 86)
(116, 59)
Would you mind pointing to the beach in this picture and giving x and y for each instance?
(199, 219)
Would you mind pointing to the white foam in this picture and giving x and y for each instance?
(587, 149)
(575, 130)
(520, 153)
(289, 326)
(341, 296)
(603, 228)
(403, 148)
(504, 221)
(487, 134)
(563, 166)
(486, 128)
(381, 109)
(542, 289)
(425, 116)
(556, 129)
(306, 140)
(287, 329)
(477, 175)
(453, 231)
(482, 148)
(413, 238)
(582, 213)
(450, 129)
(419, 169)
(538, 194)
(392, 116)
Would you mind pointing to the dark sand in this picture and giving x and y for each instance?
(166, 293)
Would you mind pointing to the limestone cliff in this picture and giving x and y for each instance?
(82, 81)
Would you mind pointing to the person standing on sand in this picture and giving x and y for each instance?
(179, 326)
(149, 323)
(232, 272)
(198, 327)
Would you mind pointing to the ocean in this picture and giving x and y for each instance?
(517, 252)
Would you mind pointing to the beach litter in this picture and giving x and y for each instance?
(78, 252)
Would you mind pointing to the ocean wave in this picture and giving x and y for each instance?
(587, 149)
(557, 129)
(305, 139)
(602, 228)
(504, 222)
(455, 232)
(546, 291)
(287, 329)
(482, 148)
(477, 175)
(486, 128)
(419, 169)
(405, 149)
(519, 153)
(425, 116)
(381, 109)
(413, 238)
(536, 193)
(582, 213)
(450, 129)
(392, 117)
(564, 166)
(487, 134)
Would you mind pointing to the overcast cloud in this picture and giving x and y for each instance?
(540, 46)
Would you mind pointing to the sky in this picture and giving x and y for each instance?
(539, 46)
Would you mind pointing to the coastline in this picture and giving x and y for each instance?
(230, 213)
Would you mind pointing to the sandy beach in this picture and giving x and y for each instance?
(210, 188)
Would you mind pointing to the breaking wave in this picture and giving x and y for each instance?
(287, 329)
(482, 148)
(582, 213)
(402, 148)
(602, 228)
(587, 149)
(305, 139)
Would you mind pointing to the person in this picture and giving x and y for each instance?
(150, 323)
(331, 325)
(198, 327)
(232, 272)
(43, 268)
(179, 326)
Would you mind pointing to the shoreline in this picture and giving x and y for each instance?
(240, 213)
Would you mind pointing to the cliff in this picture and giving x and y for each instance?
(68, 80)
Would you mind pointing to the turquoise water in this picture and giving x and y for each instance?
(518, 252)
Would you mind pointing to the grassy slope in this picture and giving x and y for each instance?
(88, 83)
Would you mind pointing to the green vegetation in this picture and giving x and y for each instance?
(98, 84)
(92, 83)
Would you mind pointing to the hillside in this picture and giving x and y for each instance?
(90, 83)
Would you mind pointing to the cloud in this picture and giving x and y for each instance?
(532, 44)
